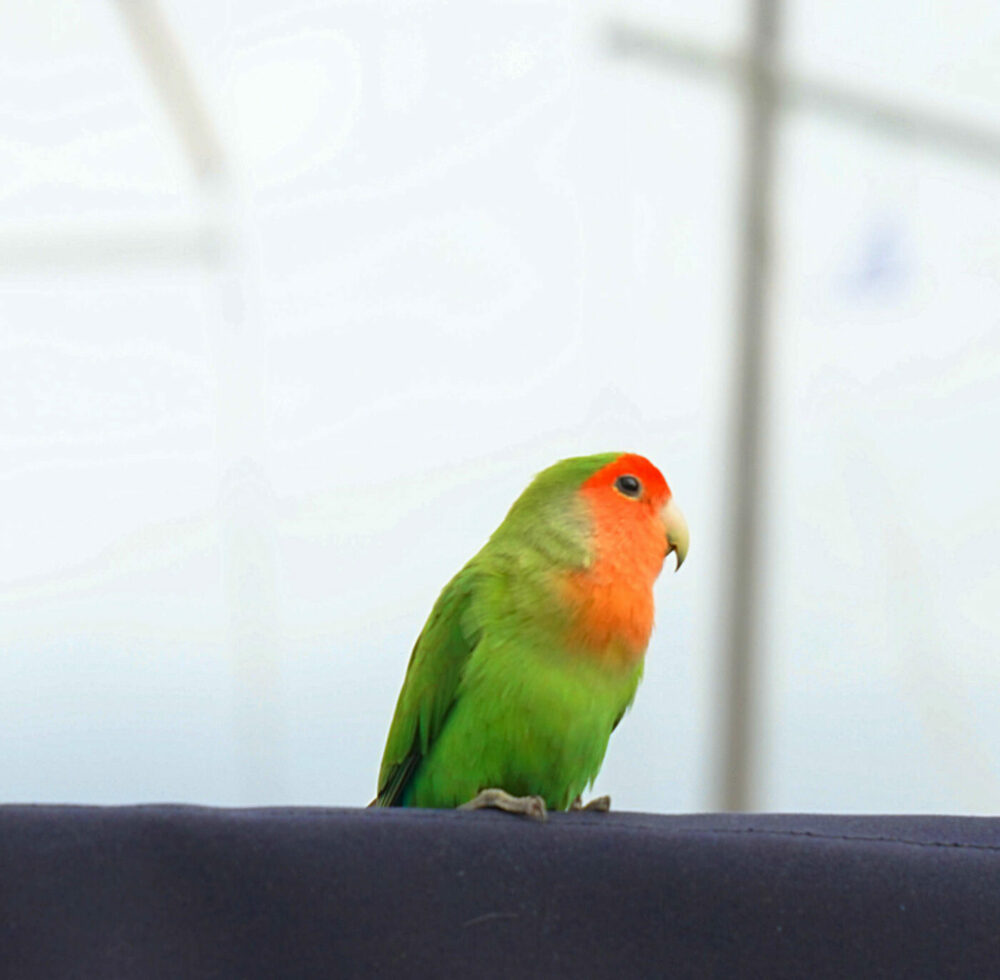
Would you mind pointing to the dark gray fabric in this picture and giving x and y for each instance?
(165, 891)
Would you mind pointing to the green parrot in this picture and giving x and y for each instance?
(534, 650)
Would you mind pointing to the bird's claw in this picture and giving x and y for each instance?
(532, 807)
(599, 804)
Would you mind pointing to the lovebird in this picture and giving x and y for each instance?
(534, 650)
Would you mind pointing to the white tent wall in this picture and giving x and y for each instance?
(251, 422)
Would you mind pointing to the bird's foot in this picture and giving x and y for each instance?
(599, 804)
(532, 807)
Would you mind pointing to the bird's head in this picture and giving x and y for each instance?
(602, 526)
(631, 503)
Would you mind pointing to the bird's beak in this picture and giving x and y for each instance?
(677, 531)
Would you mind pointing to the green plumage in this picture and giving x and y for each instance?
(493, 695)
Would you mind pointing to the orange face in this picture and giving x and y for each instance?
(635, 526)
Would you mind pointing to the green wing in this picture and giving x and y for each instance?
(429, 689)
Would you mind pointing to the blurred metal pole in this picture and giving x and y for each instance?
(246, 499)
(885, 118)
(64, 247)
(167, 65)
(743, 593)
(770, 88)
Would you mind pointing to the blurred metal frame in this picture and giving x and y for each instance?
(794, 91)
(768, 89)
(160, 49)
(245, 497)
(202, 242)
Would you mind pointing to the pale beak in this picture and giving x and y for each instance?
(677, 531)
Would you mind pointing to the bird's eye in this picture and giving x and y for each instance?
(628, 485)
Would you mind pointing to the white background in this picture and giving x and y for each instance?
(460, 242)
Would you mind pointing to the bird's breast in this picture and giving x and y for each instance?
(609, 619)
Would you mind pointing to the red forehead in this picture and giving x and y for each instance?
(636, 465)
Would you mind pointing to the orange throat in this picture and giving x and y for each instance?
(610, 601)
(610, 620)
